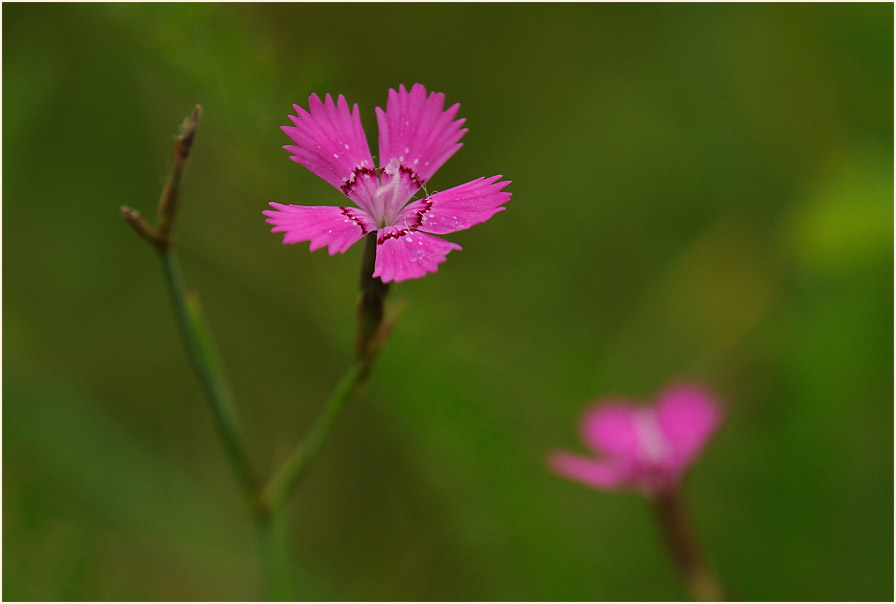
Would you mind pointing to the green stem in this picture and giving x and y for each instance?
(203, 354)
(273, 549)
(206, 361)
(276, 560)
(372, 333)
(287, 477)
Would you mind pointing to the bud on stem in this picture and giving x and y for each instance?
(160, 237)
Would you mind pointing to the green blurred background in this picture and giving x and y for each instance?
(700, 192)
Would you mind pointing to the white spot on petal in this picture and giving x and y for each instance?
(336, 155)
(416, 161)
(407, 149)
(346, 146)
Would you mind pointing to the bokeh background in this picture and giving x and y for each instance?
(700, 192)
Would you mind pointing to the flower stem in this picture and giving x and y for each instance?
(206, 361)
(682, 543)
(373, 330)
(288, 476)
(370, 309)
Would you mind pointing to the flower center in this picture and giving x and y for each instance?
(390, 196)
(651, 436)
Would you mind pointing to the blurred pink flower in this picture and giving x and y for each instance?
(416, 136)
(642, 447)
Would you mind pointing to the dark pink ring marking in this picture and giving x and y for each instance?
(351, 215)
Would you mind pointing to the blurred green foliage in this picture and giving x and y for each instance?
(701, 192)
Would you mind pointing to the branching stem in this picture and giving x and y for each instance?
(268, 503)
(373, 330)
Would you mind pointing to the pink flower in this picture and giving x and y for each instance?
(642, 447)
(416, 136)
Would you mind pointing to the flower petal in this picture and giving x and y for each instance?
(613, 428)
(336, 227)
(601, 475)
(330, 142)
(687, 416)
(417, 133)
(405, 254)
(457, 208)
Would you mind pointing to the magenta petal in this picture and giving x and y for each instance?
(688, 416)
(403, 254)
(330, 141)
(601, 475)
(613, 428)
(459, 207)
(336, 227)
(417, 132)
